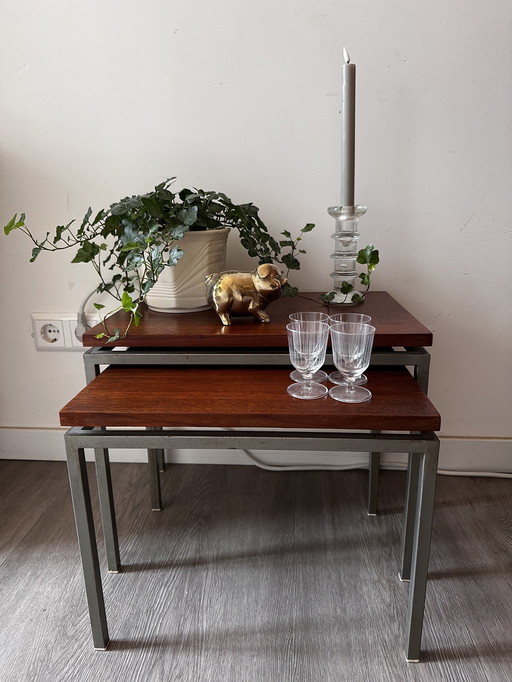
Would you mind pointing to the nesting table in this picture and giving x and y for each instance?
(235, 378)
(190, 339)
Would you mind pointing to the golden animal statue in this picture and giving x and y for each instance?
(244, 293)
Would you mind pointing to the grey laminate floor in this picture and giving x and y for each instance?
(253, 576)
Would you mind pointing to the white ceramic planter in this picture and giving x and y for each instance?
(181, 288)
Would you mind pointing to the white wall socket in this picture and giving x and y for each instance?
(56, 331)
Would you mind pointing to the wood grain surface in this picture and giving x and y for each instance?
(395, 326)
(243, 397)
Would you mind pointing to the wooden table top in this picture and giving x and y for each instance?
(395, 326)
(243, 397)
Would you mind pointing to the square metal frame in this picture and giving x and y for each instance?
(423, 450)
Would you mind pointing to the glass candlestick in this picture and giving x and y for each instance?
(346, 237)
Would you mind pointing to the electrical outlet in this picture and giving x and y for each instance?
(48, 331)
(56, 331)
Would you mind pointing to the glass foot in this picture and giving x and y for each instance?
(318, 377)
(311, 392)
(337, 378)
(343, 394)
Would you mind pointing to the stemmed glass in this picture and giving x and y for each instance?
(307, 343)
(351, 350)
(320, 375)
(337, 377)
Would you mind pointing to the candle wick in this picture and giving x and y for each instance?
(346, 56)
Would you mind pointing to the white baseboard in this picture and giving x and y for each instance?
(465, 455)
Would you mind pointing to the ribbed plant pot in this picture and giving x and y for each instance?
(181, 288)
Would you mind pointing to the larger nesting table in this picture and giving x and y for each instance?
(254, 410)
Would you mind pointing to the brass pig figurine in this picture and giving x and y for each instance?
(244, 293)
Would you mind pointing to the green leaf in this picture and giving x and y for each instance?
(178, 232)
(291, 262)
(365, 279)
(114, 337)
(188, 216)
(174, 255)
(373, 260)
(130, 246)
(134, 261)
(147, 286)
(86, 253)
(130, 234)
(346, 288)
(368, 256)
(153, 206)
(11, 225)
(125, 206)
(248, 242)
(99, 216)
(328, 297)
(156, 256)
(126, 303)
(58, 233)
(35, 253)
(362, 257)
(98, 306)
(86, 218)
(289, 291)
(308, 227)
(14, 224)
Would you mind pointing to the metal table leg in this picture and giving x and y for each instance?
(81, 499)
(108, 514)
(373, 481)
(154, 460)
(104, 483)
(161, 461)
(426, 488)
(409, 516)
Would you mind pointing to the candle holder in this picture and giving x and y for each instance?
(346, 237)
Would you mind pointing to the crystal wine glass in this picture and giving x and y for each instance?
(319, 376)
(307, 343)
(337, 377)
(351, 349)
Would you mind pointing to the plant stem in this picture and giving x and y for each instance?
(314, 300)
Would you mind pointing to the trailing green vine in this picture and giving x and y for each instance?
(134, 240)
(369, 256)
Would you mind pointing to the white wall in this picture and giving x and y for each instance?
(105, 98)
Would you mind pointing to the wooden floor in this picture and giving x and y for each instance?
(253, 576)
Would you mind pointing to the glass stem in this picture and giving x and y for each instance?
(308, 378)
(350, 385)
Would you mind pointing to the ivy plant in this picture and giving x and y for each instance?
(369, 256)
(130, 243)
